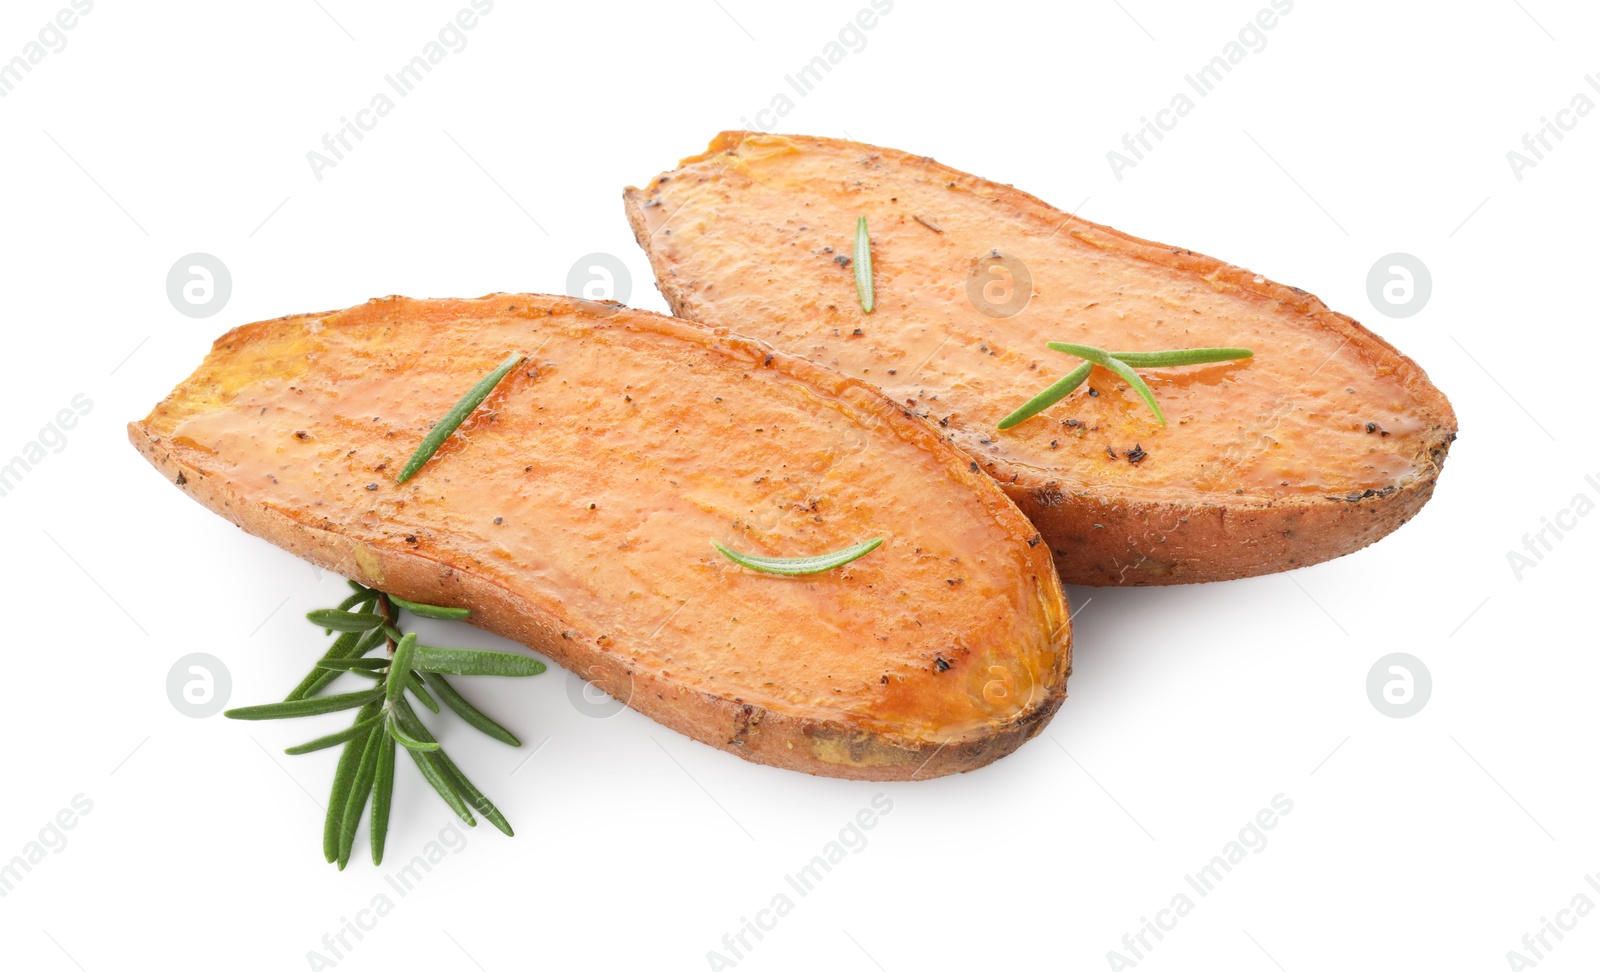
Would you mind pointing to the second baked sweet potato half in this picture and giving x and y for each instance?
(574, 512)
(1324, 441)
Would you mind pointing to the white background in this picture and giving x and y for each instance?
(1361, 129)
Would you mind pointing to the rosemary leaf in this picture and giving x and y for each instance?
(359, 597)
(382, 795)
(796, 566)
(467, 661)
(353, 664)
(863, 265)
(372, 639)
(414, 684)
(407, 740)
(343, 778)
(468, 713)
(1049, 396)
(1130, 376)
(305, 707)
(452, 419)
(474, 797)
(343, 620)
(435, 775)
(431, 610)
(1185, 356)
(399, 668)
(360, 789)
(333, 739)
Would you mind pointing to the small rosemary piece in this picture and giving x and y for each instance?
(429, 610)
(385, 719)
(1049, 396)
(452, 419)
(1121, 363)
(863, 265)
(796, 566)
(1185, 356)
(345, 621)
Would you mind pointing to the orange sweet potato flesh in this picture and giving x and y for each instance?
(1322, 443)
(573, 512)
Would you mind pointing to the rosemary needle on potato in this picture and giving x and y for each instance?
(863, 263)
(796, 566)
(458, 413)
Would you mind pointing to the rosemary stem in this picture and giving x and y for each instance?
(390, 616)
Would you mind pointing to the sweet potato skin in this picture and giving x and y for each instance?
(1263, 467)
(396, 537)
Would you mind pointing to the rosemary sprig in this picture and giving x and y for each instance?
(452, 419)
(385, 719)
(1120, 363)
(796, 566)
(863, 265)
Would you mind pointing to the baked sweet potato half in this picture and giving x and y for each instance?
(573, 512)
(1324, 441)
